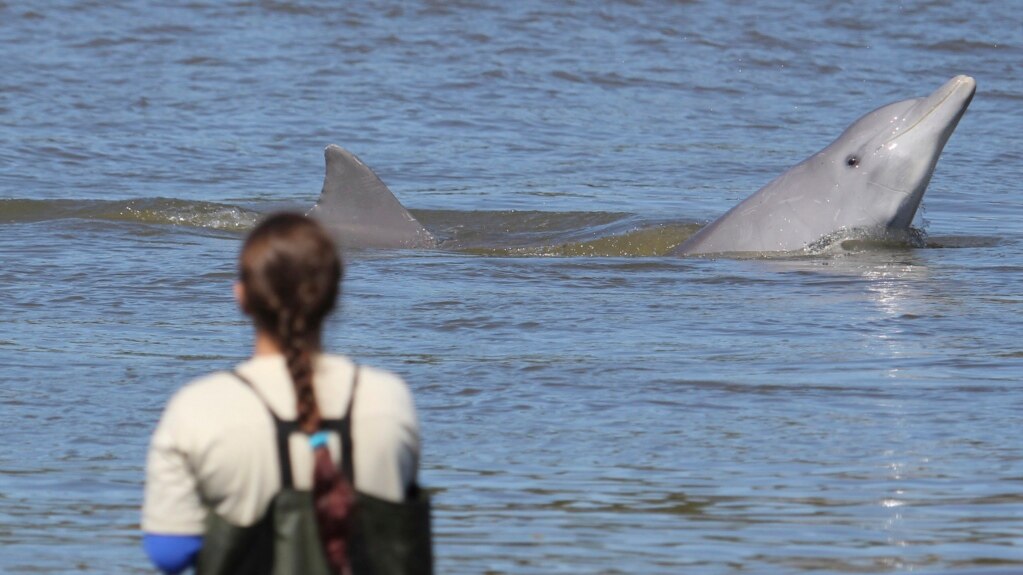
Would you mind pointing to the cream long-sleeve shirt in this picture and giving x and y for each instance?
(215, 446)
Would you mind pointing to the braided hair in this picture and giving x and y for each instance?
(290, 271)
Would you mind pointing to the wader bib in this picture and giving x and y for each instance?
(388, 538)
(285, 540)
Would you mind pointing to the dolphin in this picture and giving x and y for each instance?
(358, 209)
(869, 181)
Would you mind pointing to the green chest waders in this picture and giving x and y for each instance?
(389, 538)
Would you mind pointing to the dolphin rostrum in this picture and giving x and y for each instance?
(359, 210)
(869, 181)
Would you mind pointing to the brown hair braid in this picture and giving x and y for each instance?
(290, 272)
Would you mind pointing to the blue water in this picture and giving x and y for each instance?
(604, 410)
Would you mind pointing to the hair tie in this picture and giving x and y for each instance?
(318, 439)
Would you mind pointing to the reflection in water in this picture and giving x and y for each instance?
(895, 284)
(894, 290)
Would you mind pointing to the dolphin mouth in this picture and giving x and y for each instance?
(891, 189)
(936, 101)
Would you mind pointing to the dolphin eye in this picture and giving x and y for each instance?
(852, 161)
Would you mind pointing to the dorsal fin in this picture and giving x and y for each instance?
(359, 209)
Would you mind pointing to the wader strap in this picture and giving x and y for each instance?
(347, 457)
(284, 430)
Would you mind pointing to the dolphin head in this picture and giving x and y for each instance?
(881, 165)
(872, 179)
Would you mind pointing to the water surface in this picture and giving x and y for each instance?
(588, 405)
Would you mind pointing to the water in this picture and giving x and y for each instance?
(587, 404)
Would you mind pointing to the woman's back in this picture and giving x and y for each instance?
(215, 446)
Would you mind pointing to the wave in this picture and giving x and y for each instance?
(511, 233)
(491, 233)
(644, 241)
(160, 211)
(564, 234)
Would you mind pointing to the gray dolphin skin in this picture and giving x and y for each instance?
(869, 181)
(358, 209)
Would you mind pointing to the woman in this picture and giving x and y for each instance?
(240, 456)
